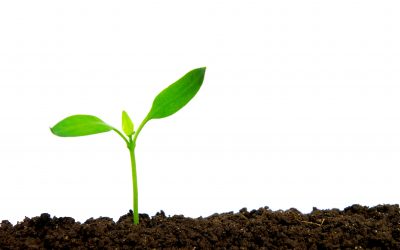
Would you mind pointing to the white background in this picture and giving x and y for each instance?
(299, 107)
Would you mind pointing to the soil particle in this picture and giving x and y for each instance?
(356, 227)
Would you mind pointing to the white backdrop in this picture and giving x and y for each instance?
(299, 107)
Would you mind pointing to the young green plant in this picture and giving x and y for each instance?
(166, 103)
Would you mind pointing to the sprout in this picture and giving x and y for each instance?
(166, 103)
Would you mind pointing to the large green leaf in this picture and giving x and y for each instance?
(80, 125)
(177, 95)
(127, 124)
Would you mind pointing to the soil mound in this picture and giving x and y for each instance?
(356, 227)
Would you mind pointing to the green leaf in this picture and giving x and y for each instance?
(127, 124)
(80, 125)
(177, 95)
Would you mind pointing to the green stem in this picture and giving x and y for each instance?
(134, 182)
(131, 146)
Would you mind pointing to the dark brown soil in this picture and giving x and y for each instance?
(356, 227)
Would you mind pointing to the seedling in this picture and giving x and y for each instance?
(166, 103)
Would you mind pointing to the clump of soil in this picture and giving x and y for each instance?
(356, 227)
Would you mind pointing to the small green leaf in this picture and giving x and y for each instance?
(80, 125)
(127, 124)
(177, 95)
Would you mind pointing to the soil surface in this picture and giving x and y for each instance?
(356, 227)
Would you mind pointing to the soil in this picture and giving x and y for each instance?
(355, 227)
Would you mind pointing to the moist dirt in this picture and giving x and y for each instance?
(355, 227)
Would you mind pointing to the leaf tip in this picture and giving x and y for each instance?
(54, 132)
(202, 69)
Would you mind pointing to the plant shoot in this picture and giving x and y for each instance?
(166, 103)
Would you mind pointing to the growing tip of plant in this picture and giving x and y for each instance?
(127, 124)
